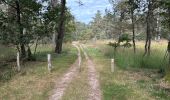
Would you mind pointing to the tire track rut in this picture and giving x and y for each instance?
(64, 81)
(94, 92)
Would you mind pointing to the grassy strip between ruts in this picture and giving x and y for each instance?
(34, 82)
(126, 84)
(79, 87)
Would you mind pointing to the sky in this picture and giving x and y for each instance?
(87, 11)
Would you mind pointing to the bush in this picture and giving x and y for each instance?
(124, 40)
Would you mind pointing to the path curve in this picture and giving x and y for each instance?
(95, 92)
(66, 79)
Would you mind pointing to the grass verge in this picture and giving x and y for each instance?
(129, 84)
(34, 82)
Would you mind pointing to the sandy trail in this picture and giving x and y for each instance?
(64, 81)
(94, 92)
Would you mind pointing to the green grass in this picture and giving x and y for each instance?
(126, 83)
(7, 58)
(34, 82)
(7, 53)
(125, 58)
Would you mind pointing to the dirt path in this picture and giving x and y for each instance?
(94, 92)
(66, 79)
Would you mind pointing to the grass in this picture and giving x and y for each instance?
(34, 82)
(135, 77)
(125, 57)
(7, 53)
(127, 82)
(7, 56)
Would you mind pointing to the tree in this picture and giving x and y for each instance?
(59, 22)
(17, 21)
(83, 31)
(165, 6)
(133, 5)
(151, 6)
(96, 25)
(121, 9)
(61, 28)
(109, 24)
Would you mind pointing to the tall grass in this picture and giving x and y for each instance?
(138, 84)
(125, 57)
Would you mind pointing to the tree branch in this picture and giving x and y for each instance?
(8, 4)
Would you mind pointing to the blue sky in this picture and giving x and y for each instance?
(86, 12)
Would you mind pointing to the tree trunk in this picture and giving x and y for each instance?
(59, 39)
(146, 46)
(133, 30)
(29, 54)
(59, 42)
(149, 44)
(121, 20)
(149, 21)
(168, 49)
(148, 40)
(36, 45)
(22, 46)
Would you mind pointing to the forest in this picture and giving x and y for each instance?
(48, 53)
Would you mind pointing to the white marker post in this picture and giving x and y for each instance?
(18, 62)
(49, 62)
(112, 65)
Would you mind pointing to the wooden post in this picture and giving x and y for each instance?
(18, 62)
(112, 65)
(49, 62)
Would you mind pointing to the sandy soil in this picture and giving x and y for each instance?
(64, 81)
(94, 92)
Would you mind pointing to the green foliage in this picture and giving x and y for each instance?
(124, 40)
(96, 26)
(83, 31)
(12, 26)
(165, 5)
(115, 44)
(26, 22)
(52, 18)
